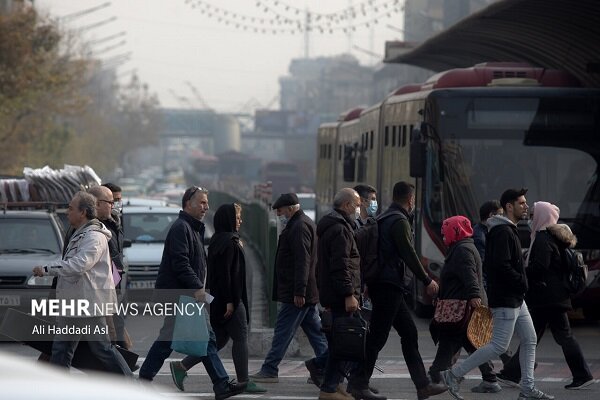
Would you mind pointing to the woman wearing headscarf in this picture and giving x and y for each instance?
(226, 280)
(461, 279)
(548, 298)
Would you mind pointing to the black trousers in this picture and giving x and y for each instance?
(390, 310)
(448, 346)
(558, 321)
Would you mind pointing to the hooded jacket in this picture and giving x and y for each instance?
(296, 260)
(546, 269)
(338, 265)
(85, 269)
(183, 263)
(503, 264)
(226, 266)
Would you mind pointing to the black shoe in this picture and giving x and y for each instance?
(316, 373)
(580, 384)
(431, 390)
(366, 394)
(508, 380)
(231, 389)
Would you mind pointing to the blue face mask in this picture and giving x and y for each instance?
(283, 219)
(372, 209)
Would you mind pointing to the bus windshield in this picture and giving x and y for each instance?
(489, 145)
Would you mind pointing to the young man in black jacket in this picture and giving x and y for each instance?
(507, 285)
(396, 253)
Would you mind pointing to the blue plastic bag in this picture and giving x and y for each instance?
(190, 334)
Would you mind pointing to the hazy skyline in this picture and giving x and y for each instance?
(175, 41)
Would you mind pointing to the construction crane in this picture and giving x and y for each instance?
(199, 97)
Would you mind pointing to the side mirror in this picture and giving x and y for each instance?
(417, 154)
(126, 243)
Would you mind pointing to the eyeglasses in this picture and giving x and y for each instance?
(112, 203)
(193, 192)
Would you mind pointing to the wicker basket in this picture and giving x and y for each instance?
(480, 327)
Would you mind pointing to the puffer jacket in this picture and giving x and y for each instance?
(503, 264)
(338, 261)
(546, 269)
(461, 275)
(85, 270)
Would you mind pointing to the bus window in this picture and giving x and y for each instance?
(371, 140)
(349, 162)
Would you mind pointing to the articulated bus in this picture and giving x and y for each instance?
(465, 136)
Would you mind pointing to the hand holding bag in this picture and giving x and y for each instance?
(190, 334)
(349, 338)
(451, 315)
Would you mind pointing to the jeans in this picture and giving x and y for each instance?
(506, 322)
(289, 319)
(390, 310)
(64, 345)
(161, 350)
(334, 368)
(235, 328)
(448, 346)
(561, 331)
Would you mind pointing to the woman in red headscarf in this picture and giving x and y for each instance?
(461, 279)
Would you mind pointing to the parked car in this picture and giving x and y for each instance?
(307, 204)
(27, 239)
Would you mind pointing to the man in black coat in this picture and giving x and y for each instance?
(295, 287)
(338, 268)
(183, 270)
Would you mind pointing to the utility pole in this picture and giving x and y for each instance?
(306, 33)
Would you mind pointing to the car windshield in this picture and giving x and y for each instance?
(147, 227)
(307, 203)
(28, 235)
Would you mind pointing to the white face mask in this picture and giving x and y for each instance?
(372, 209)
(357, 213)
(283, 219)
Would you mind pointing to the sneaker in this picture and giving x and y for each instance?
(178, 373)
(252, 387)
(431, 389)
(534, 394)
(316, 373)
(263, 377)
(486, 387)
(580, 384)
(332, 396)
(453, 384)
(232, 388)
(508, 380)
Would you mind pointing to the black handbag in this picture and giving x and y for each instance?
(349, 336)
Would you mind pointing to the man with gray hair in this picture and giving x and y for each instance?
(105, 210)
(295, 287)
(85, 273)
(338, 266)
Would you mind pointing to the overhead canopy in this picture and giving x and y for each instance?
(561, 34)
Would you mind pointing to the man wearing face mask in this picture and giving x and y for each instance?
(396, 253)
(368, 203)
(295, 287)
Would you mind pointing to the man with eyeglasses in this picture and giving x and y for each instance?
(117, 195)
(106, 215)
(183, 269)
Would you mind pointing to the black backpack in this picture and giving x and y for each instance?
(367, 241)
(576, 271)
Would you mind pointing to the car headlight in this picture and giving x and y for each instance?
(40, 281)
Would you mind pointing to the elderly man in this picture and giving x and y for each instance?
(295, 287)
(183, 269)
(110, 219)
(85, 273)
(339, 276)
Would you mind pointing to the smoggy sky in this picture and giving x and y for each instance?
(173, 42)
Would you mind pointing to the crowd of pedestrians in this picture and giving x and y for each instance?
(354, 260)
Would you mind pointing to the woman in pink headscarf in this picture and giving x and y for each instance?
(548, 299)
(461, 279)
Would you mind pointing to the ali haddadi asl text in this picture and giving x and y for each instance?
(69, 330)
